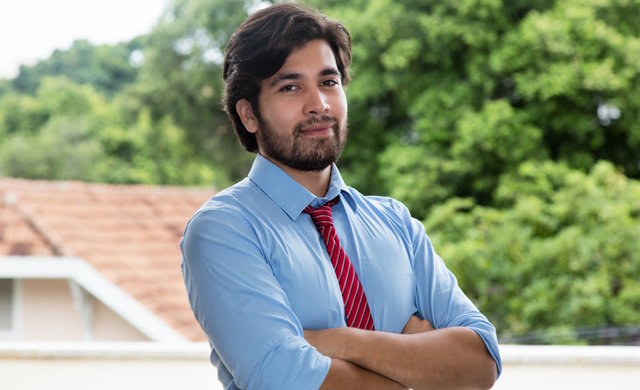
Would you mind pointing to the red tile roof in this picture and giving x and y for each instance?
(130, 233)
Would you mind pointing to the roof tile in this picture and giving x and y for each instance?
(130, 233)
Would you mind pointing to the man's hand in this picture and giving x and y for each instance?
(416, 325)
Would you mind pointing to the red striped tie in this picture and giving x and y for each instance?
(355, 302)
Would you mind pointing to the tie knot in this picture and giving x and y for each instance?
(322, 216)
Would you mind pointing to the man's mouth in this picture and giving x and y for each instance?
(318, 129)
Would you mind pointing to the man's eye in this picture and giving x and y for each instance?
(288, 88)
(330, 82)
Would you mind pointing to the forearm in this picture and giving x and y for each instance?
(450, 358)
(344, 375)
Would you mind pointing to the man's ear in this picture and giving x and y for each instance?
(246, 115)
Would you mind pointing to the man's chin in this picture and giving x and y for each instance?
(306, 153)
(313, 168)
(319, 163)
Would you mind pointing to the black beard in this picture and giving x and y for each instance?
(302, 154)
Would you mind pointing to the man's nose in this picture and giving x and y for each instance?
(316, 103)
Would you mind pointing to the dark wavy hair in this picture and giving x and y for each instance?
(261, 45)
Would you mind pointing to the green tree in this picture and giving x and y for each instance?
(448, 96)
(20, 114)
(61, 150)
(107, 68)
(484, 117)
(561, 253)
(70, 131)
(152, 153)
(510, 127)
(182, 79)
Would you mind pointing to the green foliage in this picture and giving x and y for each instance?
(471, 89)
(5, 87)
(62, 149)
(182, 79)
(175, 85)
(151, 153)
(561, 251)
(20, 114)
(105, 67)
(69, 131)
(58, 96)
(484, 117)
(508, 126)
(572, 62)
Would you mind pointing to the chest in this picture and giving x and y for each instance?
(379, 253)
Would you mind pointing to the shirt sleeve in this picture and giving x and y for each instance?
(242, 308)
(439, 298)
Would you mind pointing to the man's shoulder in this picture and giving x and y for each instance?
(231, 202)
(384, 204)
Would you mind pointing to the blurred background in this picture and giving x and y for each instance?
(510, 128)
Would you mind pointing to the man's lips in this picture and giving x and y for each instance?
(318, 129)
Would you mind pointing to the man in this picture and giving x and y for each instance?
(278, 265)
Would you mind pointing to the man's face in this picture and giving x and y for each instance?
(303, 110)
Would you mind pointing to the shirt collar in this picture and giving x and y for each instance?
(288, 194)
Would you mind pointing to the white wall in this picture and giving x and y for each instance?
(103, 310)
(48, 314)
(106, 366)
(567, 377)
(159, 366)
(569, 367)
(108, 374)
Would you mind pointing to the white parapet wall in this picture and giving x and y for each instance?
(106, 366)
(158, 366)
(556, 367)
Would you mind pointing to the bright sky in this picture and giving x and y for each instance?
(31, 30)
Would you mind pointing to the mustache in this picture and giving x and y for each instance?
(314, 120)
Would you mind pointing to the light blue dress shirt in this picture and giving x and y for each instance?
(257, 273)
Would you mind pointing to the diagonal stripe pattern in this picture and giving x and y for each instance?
(355, 302)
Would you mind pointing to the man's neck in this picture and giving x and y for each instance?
(316, 182)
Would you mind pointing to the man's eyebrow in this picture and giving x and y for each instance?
(330, 72)
(284, 76)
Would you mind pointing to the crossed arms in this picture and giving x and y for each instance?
(419, 358)
(254, 302)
